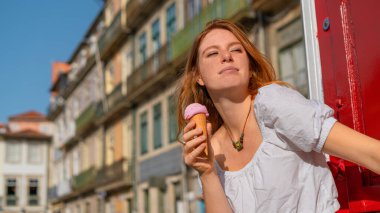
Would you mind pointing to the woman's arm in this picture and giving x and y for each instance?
(213, 194)
(353, 146)
(193, 154)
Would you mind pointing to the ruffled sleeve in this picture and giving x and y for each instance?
(302, 122)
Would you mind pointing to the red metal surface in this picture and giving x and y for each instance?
(350, 60)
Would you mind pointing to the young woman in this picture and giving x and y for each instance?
(281, 167)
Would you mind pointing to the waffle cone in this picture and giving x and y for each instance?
(200, 122)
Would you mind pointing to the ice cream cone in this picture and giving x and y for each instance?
(200, 122)
(198, 113)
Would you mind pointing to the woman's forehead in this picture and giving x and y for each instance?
(217, 37)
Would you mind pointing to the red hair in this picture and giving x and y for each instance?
(261, 73)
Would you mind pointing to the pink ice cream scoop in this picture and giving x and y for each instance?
(194, 109)
(198, 113)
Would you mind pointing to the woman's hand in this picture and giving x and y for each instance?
(194, 149)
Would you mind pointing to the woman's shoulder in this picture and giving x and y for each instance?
(276, 94)
(276, 88)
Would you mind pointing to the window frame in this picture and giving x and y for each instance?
(38, 195)
(16, 191)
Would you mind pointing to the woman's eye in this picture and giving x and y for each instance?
(211, 54)
(237, 50)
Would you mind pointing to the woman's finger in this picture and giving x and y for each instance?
(189, 126)
(192, 144)
(187, 136)
(191, 157)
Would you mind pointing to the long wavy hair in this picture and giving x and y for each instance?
(189, 91)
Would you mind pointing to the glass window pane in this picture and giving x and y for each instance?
(33, 192)
(156, 35)
(157, 119)
(172, 119)
(286, 64)
(13, 152)
(143, 133)
(11, 190)
(143, 55)
(34, 153)
(170, 21)
(146, 200)
(293, 67)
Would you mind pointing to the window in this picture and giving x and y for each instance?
(292, 57)
(143, 133)
(143, 55)
(156, 35)
(157, 121)
(11, 190)
(293, 67)
(110, 76)
(34, 153)
(110, 147)
(13, 152)
(170, 22)
(33, 199)
(156, 44)
(172, 119)
(142, 49)
(193, 8)
(129, 205)
(146, 201)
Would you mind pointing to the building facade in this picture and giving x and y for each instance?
(24, 146)
(113, 102)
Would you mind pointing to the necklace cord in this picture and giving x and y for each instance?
(239, 143)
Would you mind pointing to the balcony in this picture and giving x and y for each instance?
(138, 11)
(86, 120)
(115, 96)
(118, 171)
(142, 76)
(272, 7)
(84, 180)
(226, 9)
(112, 36)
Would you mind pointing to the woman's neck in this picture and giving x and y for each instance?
(234, 113)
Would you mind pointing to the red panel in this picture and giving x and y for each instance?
(350, 60)
(366, 22)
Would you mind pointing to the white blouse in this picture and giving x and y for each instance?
(288, 172)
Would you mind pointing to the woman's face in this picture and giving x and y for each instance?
(223, 62)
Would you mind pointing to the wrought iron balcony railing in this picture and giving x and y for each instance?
(118, 171)
(85, 179)
(115, 96)
(138, 11)
(218, 9)
(112, 35)
(150, 68)
(87, 118)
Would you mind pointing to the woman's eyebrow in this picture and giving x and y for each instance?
(217, 46)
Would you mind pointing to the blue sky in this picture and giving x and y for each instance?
(33, 35)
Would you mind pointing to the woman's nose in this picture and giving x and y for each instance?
(226, 56)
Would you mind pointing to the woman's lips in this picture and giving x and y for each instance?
(228, 69)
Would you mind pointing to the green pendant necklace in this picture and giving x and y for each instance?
(238, 144)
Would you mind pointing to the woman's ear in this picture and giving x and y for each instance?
(200, 80)
(198, 76)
